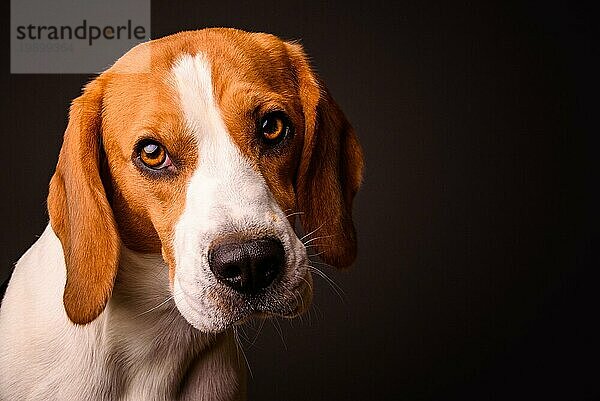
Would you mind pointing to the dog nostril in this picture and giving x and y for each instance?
(231, 271)
(249, 266)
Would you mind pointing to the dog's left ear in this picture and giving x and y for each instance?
(330, 171)
(80, 213)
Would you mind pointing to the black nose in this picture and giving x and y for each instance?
(247, 267)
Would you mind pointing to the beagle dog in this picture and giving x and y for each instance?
(172, 220)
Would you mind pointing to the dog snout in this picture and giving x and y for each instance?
(249, 266)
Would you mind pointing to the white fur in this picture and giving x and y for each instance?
(142, 347)
(225, 198)
(133, 351)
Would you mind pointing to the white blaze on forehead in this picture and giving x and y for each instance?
(224, 178)
(225, 197)
(194, 84)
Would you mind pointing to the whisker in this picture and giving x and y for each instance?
(312, 232)
(307, 283)
(321, 263)
(316, 238)
(243, 334)
(314, 245)
(316, 254)
(324, 276)
(336, 288)
(296, 296)
(317, 310)
(293, 214)
(277, 327)
(240, 349)
(260, 327)
(156, 307)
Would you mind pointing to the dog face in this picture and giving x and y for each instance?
(205, 146)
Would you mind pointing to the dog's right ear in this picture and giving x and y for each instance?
(330, 171)
(80, 213)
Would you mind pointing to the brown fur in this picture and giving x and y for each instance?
(330, 170)
(80, 213)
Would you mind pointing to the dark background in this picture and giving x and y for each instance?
(476, 277)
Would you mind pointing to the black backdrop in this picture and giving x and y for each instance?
(476, 274)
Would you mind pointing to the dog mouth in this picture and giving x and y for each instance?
(221, 307)
(286, 303)
(288, 309)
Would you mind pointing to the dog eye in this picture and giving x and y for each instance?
(274, 127)
(154, 155)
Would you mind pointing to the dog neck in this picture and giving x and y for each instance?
(152, 351)
(138, 348)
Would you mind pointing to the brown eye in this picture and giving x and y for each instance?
(274, 127)
(154, 155)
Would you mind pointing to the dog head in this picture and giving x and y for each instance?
(206, 146)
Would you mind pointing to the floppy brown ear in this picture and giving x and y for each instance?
(80, 213)
(330, 171)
